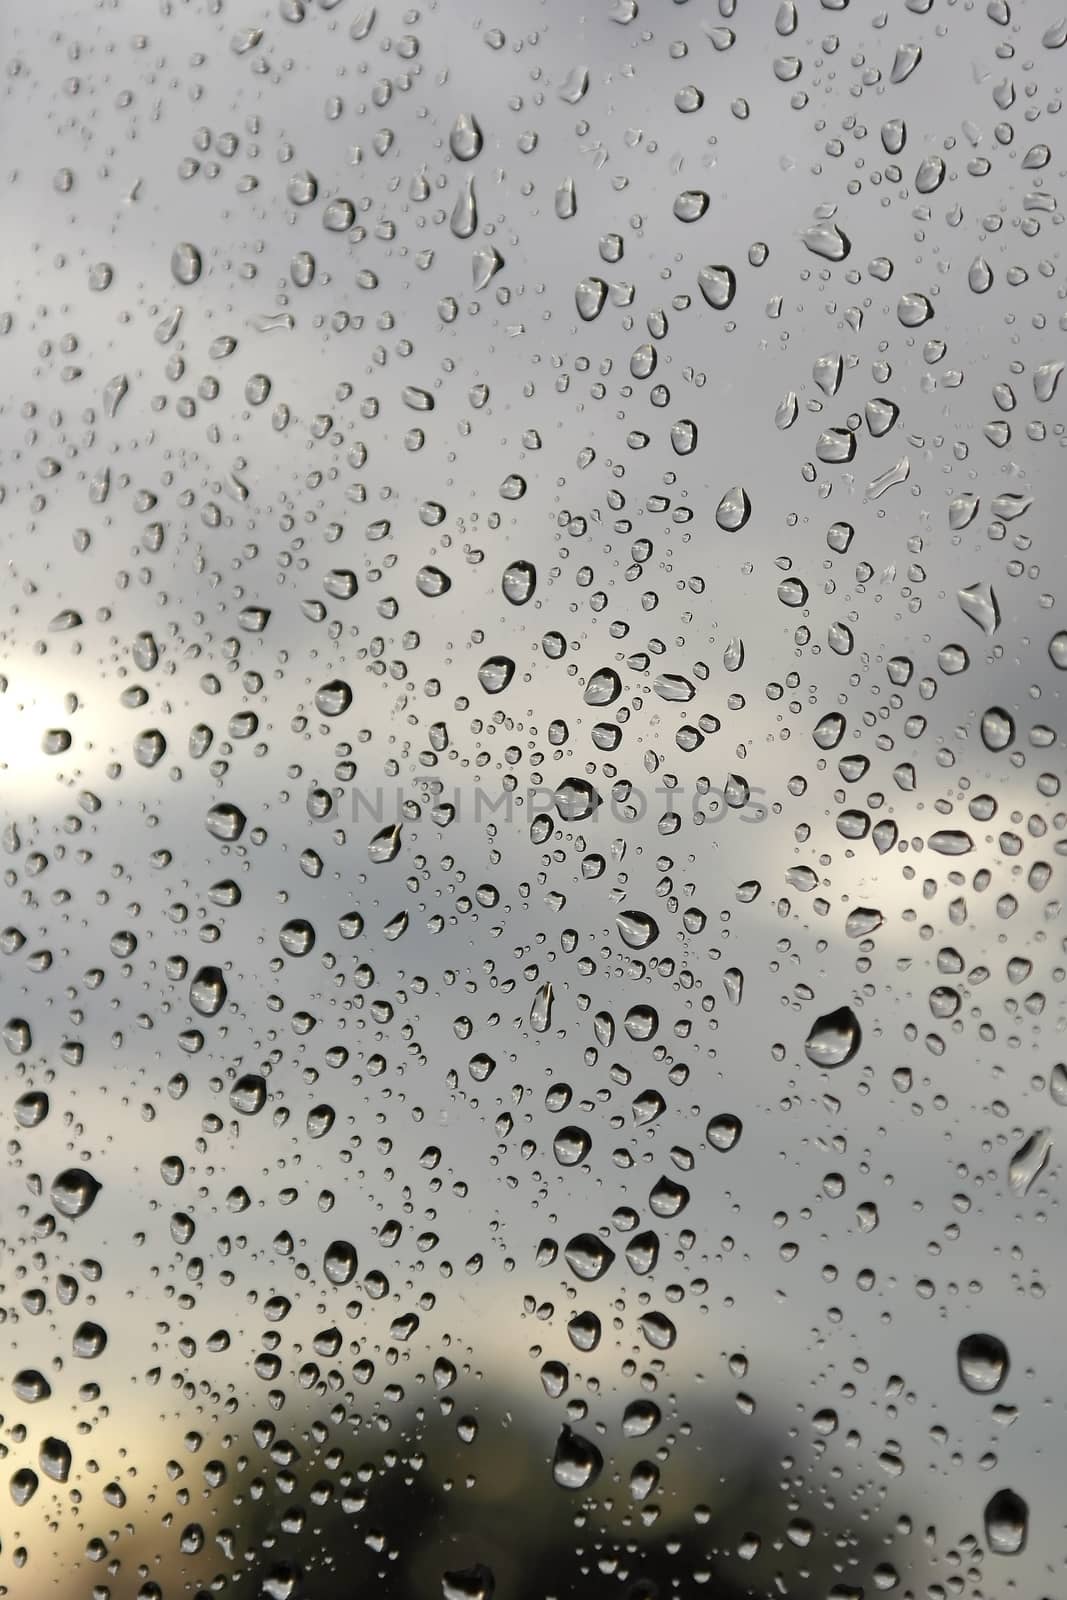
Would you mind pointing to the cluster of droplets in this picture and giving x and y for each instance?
(543, 727)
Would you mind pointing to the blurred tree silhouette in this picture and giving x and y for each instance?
(435, 1502)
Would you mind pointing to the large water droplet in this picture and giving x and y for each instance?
(73, 1191)
(1007, 1518)
(185, 264)
(834, 1039)
(577, 1462)
(982, 1360)
(465, 140)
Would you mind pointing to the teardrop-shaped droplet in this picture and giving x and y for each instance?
(589, 297)
(1046, 377)
(385, 845)
(496, 673)
(465, 140)
(834, 1039)
(541, 1010)
(880, 415)
(485, 264)
(734, 509)
(637, 929)
(827, 372)
(207, 991)
(962, 511)
(115, 391)
(980, 275)
(464, 219)
(603, 688)
(431, 582)
(913, 310)
(55, 1458)
(73, 1192)
(577, 1462)
(718, 285)
(786, 413)
(931, 175)
(683, 437)
(905, 61)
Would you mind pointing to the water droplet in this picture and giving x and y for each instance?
(905, 61)
(340, 1262)
(980, 276)
(185, 264)
(983, 1362)
(432, 582)
(1006, 1519)
(73, 1191)
(931, 175)
(519, 582)
(589, 298)
(577, 1462)
(1030, 1160)
(723, 1131)
(683, 437)
(472, 1583)
(718, 285)
(979, 602)
(637, 929)
(827, 240)
(496, 673)
(55, 1459)
(465, 140)
(464, 219)
(913, 309)
(834, 1038)
(998, 729)
(691, 205)
(385, 846)
(734, 509)
(566, 200)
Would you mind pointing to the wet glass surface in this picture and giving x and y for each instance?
(531, 762)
